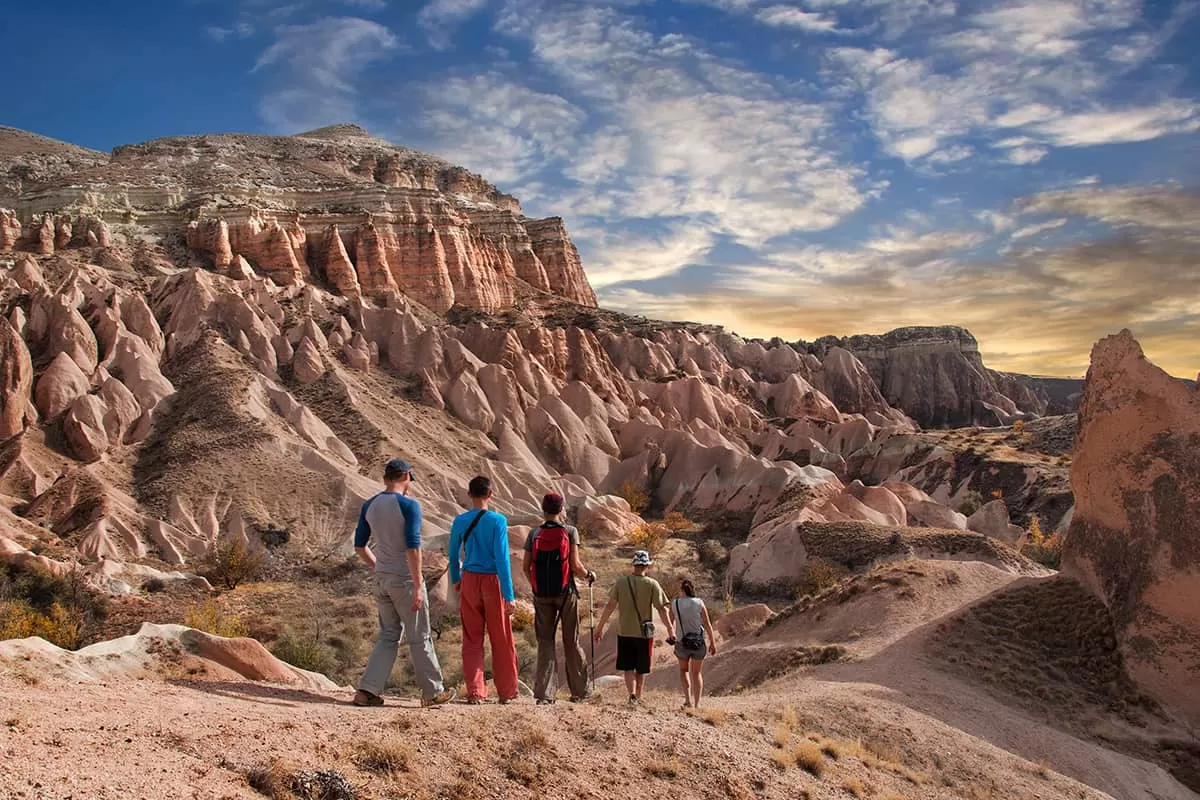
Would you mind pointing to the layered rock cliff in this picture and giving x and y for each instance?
(333, 206)
(936, 376)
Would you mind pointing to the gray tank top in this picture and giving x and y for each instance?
(687, 613)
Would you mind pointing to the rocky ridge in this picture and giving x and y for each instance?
(333, 205)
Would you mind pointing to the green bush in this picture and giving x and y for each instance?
(63, 610)
(305, 652)
(232, 563)
(971, 503)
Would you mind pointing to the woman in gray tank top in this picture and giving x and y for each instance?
(696, 640)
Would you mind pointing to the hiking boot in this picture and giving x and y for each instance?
(545, 701)
(439, 699)
(583, 698)
(364, 698)
(506, 700)
(633, 699)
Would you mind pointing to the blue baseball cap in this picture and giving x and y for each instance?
(397, 465)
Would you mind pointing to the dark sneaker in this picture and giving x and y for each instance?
(583, 698)
(364, 698)
(545, 701)
(633, 699)
(439, 699)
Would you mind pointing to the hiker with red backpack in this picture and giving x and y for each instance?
(482, 576)
(551, 564)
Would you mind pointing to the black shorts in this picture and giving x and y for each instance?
(633, 654)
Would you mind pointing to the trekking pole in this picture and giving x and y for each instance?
(592, 634)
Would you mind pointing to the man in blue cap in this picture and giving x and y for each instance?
(392, 521)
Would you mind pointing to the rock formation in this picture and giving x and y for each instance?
(16, 380)
(334, 204)
(1135, 532)
(937, 377)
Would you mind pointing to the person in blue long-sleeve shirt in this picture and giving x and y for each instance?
(482, 575)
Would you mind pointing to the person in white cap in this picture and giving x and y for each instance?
(635, 595)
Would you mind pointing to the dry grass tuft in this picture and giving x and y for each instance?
(384, 755)
(663, 767)
(781, 735)
(532, 739)
(789, 718)
(854, 786)
(714, 716)
(273, 780)
(782, 758)
(522, 618)
(809, 757)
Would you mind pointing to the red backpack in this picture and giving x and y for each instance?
(551, 561)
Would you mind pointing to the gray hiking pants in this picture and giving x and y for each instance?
(548, 612)
(393, 595)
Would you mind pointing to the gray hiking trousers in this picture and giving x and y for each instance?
(548, 613)
(393, 595)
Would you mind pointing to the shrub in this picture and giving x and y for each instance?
(712, 553)
(1046, 550)
(233, 562)
(635, 495)
(1019, 427)
(714, 716)
(59, 626)
(35, 602)
(819, 575)
(676, 523)
(209, 617)
(971, 503)
(649, 537)
(154, 585)
(522, 618)
(305, 652)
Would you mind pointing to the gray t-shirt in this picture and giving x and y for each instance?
(688, 616)
(572, 534)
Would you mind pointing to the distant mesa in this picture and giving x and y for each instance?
(333, 206)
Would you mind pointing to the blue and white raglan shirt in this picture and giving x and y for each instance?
(393, 522)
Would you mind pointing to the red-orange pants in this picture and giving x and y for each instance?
(482, 608)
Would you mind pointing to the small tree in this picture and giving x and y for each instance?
(233, 562)
(635, 495)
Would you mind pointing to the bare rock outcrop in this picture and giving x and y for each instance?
(61, 383)
(1135, 532)
(16, 380)
(10, 230)
(933, 374)
(992, 520)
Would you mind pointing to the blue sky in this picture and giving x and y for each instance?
(1026, 168)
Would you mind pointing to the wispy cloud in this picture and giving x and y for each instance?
(782, 16)
(440, 15)
(312, 69)
(239, 30)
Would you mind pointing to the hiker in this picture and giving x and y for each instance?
(392, 520)
(692, 623)
(482, 576)
(551, 564)
(635, 628)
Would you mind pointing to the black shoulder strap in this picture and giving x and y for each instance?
(633, 595)
(471, 527)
